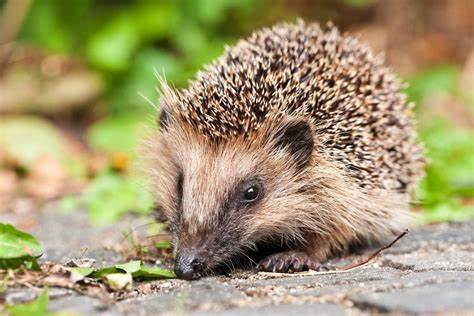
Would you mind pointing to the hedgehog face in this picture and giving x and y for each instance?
(224, 197)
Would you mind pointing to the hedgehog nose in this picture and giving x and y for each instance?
(188, 266)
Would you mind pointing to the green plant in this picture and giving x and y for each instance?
(18, 248)
(449, 183)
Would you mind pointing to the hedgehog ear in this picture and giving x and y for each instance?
(296, 137)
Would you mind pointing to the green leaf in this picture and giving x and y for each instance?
(84, 271)
(17, 244)
(152, 273)
(136, 268)
(38, 307)
(130, 267)
(28, 262)
(100, 273)
(79, 273)
(18, 248)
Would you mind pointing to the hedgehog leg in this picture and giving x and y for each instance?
(288, 261)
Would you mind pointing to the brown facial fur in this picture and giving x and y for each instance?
(219, 133)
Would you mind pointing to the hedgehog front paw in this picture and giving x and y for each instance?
(288, 261)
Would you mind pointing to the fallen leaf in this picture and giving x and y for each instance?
(148, 273)
(79, 273)
(17, 248)
(118, 281)
(137, 269)
(130, 267)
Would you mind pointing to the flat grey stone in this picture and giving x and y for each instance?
(411, 279)
(82, 305)
(349, 278)
(56, 292)
(404, 280)
(456, 260)
(20, 296)
(448, 297)
(206, 294)
(431, 236)
(322, 309)
(72, 235)
(429, 270)
(24, 295)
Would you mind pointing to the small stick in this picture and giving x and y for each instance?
(375, 254)
(343, 269)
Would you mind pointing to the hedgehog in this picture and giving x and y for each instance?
(295, 146)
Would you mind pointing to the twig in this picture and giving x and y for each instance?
(375, 254)
(343, 269)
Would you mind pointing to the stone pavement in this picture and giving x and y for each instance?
(430, 270)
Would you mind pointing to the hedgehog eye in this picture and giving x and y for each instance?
(251, 194)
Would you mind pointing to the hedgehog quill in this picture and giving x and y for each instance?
(293, 147)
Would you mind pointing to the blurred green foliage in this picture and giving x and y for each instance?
(108, 134)
(128, 41)
(447, 191)
(110, 195)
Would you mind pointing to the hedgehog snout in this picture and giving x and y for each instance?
(189, 264)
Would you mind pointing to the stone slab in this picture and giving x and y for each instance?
(322, 309)
(76, 304)
(429, 270)
(456, 260)
(436, 298)
(184, 297)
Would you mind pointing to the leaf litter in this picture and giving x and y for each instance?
(115, 282)
(19, 252)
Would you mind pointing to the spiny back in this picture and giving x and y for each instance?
(354, 103)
